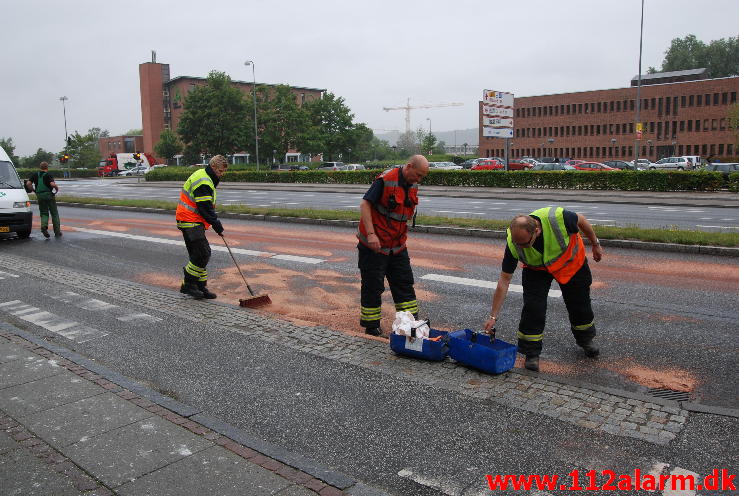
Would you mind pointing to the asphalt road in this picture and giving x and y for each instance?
(657, 319)
(716, 219)
(660, 317)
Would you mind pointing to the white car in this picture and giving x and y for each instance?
(136, 171)
(444, 166)
(644, 164)
(671, 163)
(352, 167)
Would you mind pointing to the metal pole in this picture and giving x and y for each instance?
(637, 142)
(64, 108)
(506, 153)
(254, 93)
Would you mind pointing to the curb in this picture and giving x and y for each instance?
(291, 466)
(452, 231)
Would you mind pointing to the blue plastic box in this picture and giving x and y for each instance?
(475, 350)
(421, 348)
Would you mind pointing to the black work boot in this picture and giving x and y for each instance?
(206, 293)
(373, 331)
(190, 287)
(57, 233)
(45, 232)
(532, 363)
(591, 351)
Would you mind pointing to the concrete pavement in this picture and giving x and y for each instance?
(66, 430)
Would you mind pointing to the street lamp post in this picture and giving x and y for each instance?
(638, 129)
(613, 147)
(551, 150)
(64, 109)
(254, 93)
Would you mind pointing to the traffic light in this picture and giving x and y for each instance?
(137, 156)
(64, 158)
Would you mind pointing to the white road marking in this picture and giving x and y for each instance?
(480, 283)
(719, 227)
(175, 242)
(727, 220)
(706, 218)
(449, 488)
(138, 316)
(601, 220)
(3, 274)
(69, 329)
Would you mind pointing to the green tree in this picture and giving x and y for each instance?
(333, 126)
(168, 145)
(407, 144)
(9, 147)
(281, 120)
(32, 161)
(427, 142)
(215, 118)
(134, 132)
(734, 122)
(83, 149)
(719, 57)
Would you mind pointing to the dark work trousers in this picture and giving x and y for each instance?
(47, 205)
(374, 268)
(198, 250)
(576, 295)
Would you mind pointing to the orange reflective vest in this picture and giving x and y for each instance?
(390, 215)
(187, 209)
(563, 256)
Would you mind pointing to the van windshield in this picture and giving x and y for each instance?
(8, 176)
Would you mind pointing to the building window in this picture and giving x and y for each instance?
(653, 103)
(724, 98)
(659, 106)
(545, 111)
(733, 97)
(704, 149)
(631, 104)
(705, 124)
(690, 126)
(708, 99)
(714, 125)
(713, 150)
(682, 101)
(715, 98)
(699, 100)
(579, 108)
(697, 125)
(618, 106)
(682, 126)
(720, 148)
(691, 100)
(659, 130)
(722, 125)
(599, 108)
(730, 149)
(651, 128)
(611, 106)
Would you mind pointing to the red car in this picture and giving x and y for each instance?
(487, 164)
(593, 166)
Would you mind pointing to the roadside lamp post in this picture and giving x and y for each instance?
(273, 156)
(638, 92)
(613, 147)
(348, 154)
(674, 148)
(551, 150)
(254, 96)
(66, 136)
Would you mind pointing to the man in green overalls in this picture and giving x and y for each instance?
(45, 187)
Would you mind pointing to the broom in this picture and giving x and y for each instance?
(255, 301)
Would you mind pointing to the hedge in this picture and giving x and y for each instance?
(621, 180)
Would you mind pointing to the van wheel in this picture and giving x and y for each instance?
(681, 168)
(652, 168)
(23, 234)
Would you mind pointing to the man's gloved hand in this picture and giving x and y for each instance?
(218, 227)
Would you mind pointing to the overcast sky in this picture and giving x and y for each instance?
(374, 53)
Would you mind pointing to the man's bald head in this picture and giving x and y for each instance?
(524, 230)
(416, 169)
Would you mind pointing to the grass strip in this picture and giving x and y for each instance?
(668, 234)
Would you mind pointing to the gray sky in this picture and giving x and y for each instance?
(374, 54)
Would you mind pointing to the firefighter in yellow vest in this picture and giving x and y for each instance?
(385, 211)
(195, 214)
(548, 244)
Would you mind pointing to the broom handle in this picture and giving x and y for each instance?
(236, 264)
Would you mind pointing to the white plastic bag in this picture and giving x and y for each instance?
(405, 322)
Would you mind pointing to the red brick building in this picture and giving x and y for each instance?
(120, 144)
(682, 114)
(163, 98)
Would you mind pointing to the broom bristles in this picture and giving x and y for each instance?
(255, 302)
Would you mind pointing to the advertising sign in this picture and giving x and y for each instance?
(497, 132)
(497, 111)
(498, 98)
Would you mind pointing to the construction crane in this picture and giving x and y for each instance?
(407, 107)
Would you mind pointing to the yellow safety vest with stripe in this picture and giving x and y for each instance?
(187, 214)
(563, 254)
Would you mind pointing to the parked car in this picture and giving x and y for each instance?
(619, 164)
(514, 165)
(488, 164)
(643, 164)
(593, 166)
(552, 167)
(334, 166)
(674, 163)
(135, 171)
(444, 166)
(299, 167)
(529, 160)
(353, 167)
(573, 161)
(467, 164)
(724, 168)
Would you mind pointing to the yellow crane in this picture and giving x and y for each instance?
(407, 107)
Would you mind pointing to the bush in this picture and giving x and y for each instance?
(622, 180)
(733, 182)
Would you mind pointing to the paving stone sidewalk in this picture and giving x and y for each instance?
(65, 430)
(602, 409)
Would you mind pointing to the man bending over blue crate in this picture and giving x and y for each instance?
(548, 244)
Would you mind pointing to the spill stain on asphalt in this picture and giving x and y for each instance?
(667, 378)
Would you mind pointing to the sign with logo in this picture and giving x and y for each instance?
(497, 118)
(493, 132)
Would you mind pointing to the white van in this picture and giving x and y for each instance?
(15, 209)
(693, 160)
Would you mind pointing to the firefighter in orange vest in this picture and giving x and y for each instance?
(385, 211)
(548, 244)
(195, 214)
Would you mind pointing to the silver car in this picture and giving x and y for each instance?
(671, 163)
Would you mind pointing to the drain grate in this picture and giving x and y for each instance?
(669, 394)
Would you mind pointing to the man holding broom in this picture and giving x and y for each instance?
(195, 214)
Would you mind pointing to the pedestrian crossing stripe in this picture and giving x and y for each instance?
(481, 283)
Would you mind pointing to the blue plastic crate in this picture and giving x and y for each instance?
(476, 350)
(421, 348)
